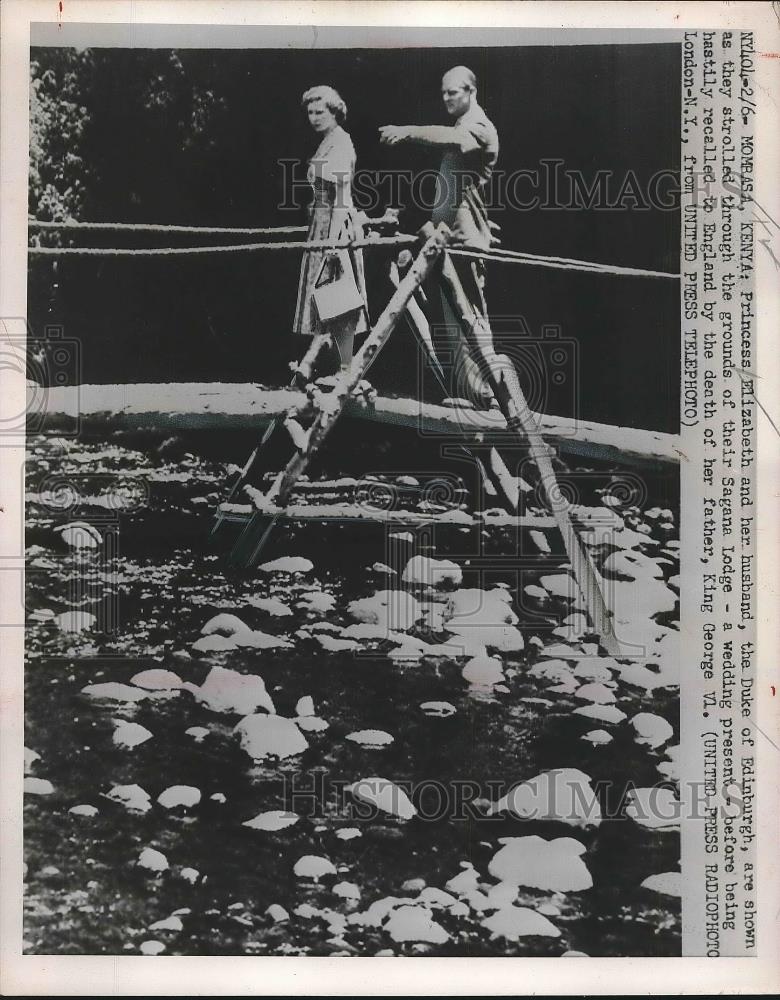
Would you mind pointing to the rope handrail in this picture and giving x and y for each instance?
(561, 263)
(306, 245)
(499, 255)
(151, 227)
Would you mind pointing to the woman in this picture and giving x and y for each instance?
(333, 217)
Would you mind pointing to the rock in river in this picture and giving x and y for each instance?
(130, 734)
(273, 820)
(154, 861)
(314, 867)
(270, 736)
(514, 922)
(37, 786)
(384, 795)
(179, 795)
(415, 923)
(651, 729)
(229, 691)
(564, 794)
(425, 572)
(541, 864)
(371, 739)
(668, 883)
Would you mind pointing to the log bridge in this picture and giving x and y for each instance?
(227, 406)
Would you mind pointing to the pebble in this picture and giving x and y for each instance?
(464, 882)
(179, 795)
(214, 644)
(651, 729)
(473, 606)
(113, 691)
(593, 669)
(603, 713)
(190, 875)
(371, 739)
(305, 706)
(656, 808)
(83, 810)
(288, 564)
(438, 709)
(218, 797)
(596, 693)
(130, 734)
(313, 867)
(156, 680)
(514, 922)
(426, 572)
(348, 833)
(347, 890)
(224, 624)
(483, 671)
(172, 923)
(277, 913)
(317, 601)
(392, 609)
(639, 676)
(198, 733)
(333, 645)
(271, 606)
(274, 819)
(75, 621)
(668, 883)
(153, 860)
(79, 535)
(30, 757)
(598, 737)
(132, 797)
(561, 585)
(311, 724)
(152, 948)
(37, 786)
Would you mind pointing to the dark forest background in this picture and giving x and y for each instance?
(195, 137)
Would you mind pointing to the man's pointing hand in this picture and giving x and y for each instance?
(390, 135)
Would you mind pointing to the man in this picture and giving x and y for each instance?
(469, 153)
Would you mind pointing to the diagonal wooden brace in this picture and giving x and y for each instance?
(255, 534)
(504, 384)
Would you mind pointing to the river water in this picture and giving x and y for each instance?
(153, 580)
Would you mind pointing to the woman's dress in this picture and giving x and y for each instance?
(333, 217)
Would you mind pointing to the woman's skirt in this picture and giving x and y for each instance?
(337, 224)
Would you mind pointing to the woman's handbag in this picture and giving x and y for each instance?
(341, 294)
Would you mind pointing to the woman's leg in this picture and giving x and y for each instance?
(344, 339)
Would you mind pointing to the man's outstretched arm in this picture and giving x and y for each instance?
(429, 135)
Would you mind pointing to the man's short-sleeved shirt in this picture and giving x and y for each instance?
(461, 175)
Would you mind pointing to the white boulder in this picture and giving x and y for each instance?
(270, 736)
(229, 691)
(541, 864)
(384, 795)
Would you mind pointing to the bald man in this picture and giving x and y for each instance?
(469, 148)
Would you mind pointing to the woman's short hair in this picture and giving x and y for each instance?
(330, 97)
